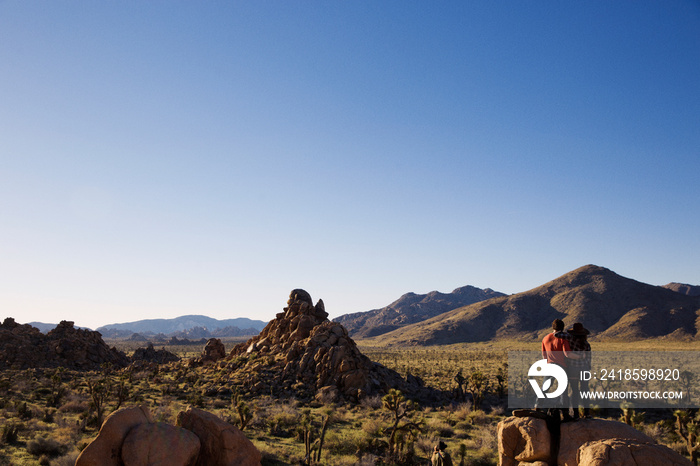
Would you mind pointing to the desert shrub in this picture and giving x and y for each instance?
(367, 459)
(23, 411)
(10, 433)
(48, 416)
(282, 419)
(196, 400)
(463, 428)
(462, 411)
(440, 428)
(372, 427)
(42, 446)
(426, 444)
(656, 431)
(348, 442)
(371, 402)
(483, 438)
(36, 425)
(478, 417)
(75, 406)
(66, 460)
(497, 411)
(481, 457)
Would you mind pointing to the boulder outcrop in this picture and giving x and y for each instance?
(143, 446)
(625, 452)
(23, 346)
(129, 437)
(222, 443)
(528, 440)
(150, 354)
(213, 351)
(106, 448)
(304, 355)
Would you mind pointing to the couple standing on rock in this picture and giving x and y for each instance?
(570, 350)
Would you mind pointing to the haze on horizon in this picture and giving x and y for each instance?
(169, 158)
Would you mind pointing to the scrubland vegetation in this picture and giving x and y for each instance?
(48, 415)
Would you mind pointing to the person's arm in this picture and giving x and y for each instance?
(569, 353)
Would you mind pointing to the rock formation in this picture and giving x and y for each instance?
(213, 351)
(23, 346)
(129, 437)
(527, 440)
(221, 443)
(304, 355)
(150, 354)
(624, 452)
(143, 445)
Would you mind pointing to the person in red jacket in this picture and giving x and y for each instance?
(556, 350)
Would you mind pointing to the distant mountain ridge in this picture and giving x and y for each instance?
(185, 326)
(611, 306)
(43, 327)
(689, 290)
(411, 308)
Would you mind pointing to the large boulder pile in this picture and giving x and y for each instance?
(129, 437)
(304, 355)
(213, 351)
(590, 442)
(150, 354)
(23, 346)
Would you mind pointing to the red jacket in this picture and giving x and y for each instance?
(554, 349)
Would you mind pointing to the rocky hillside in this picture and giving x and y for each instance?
(24, 346)
(304, 355)
(611, 306)
(411, 308)
(689, 290)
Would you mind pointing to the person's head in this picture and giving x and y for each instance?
(442, 446)
(579, 331)
(558, 325)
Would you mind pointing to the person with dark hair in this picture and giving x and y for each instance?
(440, 456)
(577, 336)
(555, 351)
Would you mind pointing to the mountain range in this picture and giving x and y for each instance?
(682, 288)
(609, 305)
(195, 326)
(411, 308)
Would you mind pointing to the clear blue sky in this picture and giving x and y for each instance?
(164, 158)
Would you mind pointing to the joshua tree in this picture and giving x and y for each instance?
(462, 453)
(401, 409)
(629, 416)
(58, 390)
(313, 450)
(98, 390)
(459, 391)
(242, 409)
(502, 379)
(122, 391)
(477, 385)
(687, 428)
